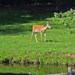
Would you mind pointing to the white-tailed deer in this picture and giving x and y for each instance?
(40, 28)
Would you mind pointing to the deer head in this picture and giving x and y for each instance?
(48, 25)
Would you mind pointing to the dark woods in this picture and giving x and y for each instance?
(43, 3)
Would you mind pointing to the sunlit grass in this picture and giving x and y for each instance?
(15, 34)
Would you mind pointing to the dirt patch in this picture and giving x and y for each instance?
(68, 55)
(72, 56)
(65, 54)
(61, 54)
(49, 54)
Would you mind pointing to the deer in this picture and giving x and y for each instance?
(41, 29)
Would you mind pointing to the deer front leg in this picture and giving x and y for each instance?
(31, 36)
(41, 36)
(45, 37)
(36, 37)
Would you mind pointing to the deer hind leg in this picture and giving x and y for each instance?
(41, 36)
(36, 37)
(31, 36)
(45, 37)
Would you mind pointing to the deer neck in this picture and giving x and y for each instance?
(43, 30)
(45, 27)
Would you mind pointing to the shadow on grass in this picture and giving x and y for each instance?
(11, 20)
(51, 41)
(15, 29)
(12, 74)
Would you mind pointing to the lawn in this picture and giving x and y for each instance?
(15, 33)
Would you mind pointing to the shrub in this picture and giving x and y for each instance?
(68, 17)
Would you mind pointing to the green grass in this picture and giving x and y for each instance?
(15, 34)
(39, 69)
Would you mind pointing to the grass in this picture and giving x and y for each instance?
(39, 69)
(15, 34)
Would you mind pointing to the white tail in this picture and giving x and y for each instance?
(40, 28)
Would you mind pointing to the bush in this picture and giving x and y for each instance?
(68, 17)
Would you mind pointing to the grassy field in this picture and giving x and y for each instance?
(32, 69)
(15, 33)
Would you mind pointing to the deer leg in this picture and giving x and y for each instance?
(36, 37)
(41, 36)
(31, 36)
(45, 37)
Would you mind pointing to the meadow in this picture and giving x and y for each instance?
(15, 33)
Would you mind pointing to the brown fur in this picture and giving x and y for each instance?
(40, 28)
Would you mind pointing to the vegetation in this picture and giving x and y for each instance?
(32, 69)
(67, 17)
(15, 34)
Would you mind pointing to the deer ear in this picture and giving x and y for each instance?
(47, 22)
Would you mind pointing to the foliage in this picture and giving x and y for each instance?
(68, 17)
